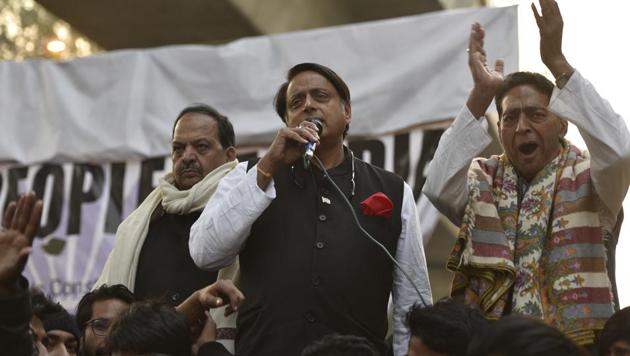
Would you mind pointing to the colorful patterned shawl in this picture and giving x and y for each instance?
(558, 271)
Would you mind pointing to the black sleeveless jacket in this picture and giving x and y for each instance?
(307, 270)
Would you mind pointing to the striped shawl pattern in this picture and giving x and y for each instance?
(548, 247)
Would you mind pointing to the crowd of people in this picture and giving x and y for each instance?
(298, 253)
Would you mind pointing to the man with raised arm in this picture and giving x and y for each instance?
(18, 229)
(306, 268)
(533, 220)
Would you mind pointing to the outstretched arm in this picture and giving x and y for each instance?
(466, 138)
(550, 26)
(604, 132)
(220, 293)
(19, 227)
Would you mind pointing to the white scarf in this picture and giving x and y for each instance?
(122, 262)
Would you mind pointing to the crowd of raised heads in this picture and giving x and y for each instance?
(110, 321)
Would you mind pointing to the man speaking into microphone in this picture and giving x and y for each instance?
(306, 268)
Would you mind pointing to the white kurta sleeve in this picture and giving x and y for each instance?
(606, 137)
(447, 174)
(410, 256)
(218, 235)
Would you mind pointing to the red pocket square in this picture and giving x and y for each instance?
(377, 204)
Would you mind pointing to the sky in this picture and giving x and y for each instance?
(592, 43)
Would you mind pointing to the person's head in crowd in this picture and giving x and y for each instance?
(313, 90)
(529, 133)
(95, 313)
(521, 336)
(203, 140)
(443, 329)
(150, 327)
(53, 327)
(341, 345)
(62, 334)
(614, 339)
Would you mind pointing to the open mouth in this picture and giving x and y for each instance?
(527, 148)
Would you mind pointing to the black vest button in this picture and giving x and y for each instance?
(316, 281)
(322, 217)
(310, 317)
(320, 245)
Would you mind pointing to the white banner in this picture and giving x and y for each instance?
(81, 131)
(121, 105)
(84, 203)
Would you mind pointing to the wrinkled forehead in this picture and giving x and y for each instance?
(194, 126)
(524, 97)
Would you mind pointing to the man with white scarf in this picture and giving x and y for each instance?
(150, 254)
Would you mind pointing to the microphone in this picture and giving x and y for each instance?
(309, 147)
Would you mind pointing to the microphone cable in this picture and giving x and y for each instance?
(358, 224)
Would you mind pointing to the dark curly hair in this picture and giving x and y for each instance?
(521, 336)
(447, 326)
(150, 327)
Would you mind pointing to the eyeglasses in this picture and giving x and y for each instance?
(99, 326)
(536, 115)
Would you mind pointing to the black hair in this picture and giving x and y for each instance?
(447, 326)
(150, 327)
(521, 336)
(226, 130)
(104, 292)
(616, 328)
(41, 305)
(52, 314)
(280, 100)
(538, 81)
(341, 345)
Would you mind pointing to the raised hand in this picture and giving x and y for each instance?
(486, 80)
(550, 26)
(20, 224)
(483, 77)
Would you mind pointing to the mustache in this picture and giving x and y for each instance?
(189, 165)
